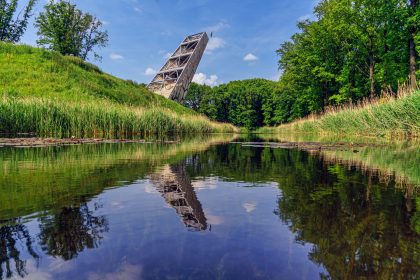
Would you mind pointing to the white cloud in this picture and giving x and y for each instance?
(210, 184)
(138, 9)
(215, 43)
(150, 71)
(167, 55)
(249, 206)
(202, 79)
(125, 271)
(115, 56)
(215, 220)
(217, 27)
(250, 57)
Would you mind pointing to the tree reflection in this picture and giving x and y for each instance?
(359, 226)
(12, 235)
(71, 230)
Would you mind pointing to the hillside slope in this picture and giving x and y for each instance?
(50, 94)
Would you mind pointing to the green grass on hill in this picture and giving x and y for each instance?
(384, 117)
(50, 94)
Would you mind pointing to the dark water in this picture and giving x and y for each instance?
(208, 209)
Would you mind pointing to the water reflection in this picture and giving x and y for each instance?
(306, 215)
(64, 233)
(14, 235)
(70, 230)
(174, 184)
(362, 222)
(359, 226)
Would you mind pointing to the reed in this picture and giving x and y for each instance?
(390, 115)
(49, 117)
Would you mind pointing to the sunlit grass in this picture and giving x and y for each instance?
(100, 119)
(387, 116)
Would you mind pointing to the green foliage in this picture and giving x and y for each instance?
(69, 31)
(50, 94)
(352, 49)
(248, 103)
(11, 29)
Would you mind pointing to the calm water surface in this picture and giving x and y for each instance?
(208, 208)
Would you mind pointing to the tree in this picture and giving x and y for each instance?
(66, 29)
(11, 29)
(350, 50)
(195, 95)
(248, 103)
(413, 29)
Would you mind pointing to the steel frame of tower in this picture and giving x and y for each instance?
(173, 80)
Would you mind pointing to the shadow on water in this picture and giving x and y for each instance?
(358, 212)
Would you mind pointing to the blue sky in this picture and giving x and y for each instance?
(246, 34)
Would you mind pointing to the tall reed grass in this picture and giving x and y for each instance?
(49, 117)
(390, 115)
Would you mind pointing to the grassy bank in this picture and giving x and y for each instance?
(49, 94)
(383, 117)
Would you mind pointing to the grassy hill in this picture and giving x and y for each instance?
(49, 94)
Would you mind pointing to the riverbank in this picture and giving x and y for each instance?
(45, 142)
(385, 117)
(36, 142)
(48, 94)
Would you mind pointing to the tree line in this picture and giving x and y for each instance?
(348, 51)
(351, 50)
(249, 103)
(61, 27)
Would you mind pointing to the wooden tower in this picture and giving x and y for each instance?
(173, 80)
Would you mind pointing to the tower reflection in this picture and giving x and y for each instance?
(174, 184)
